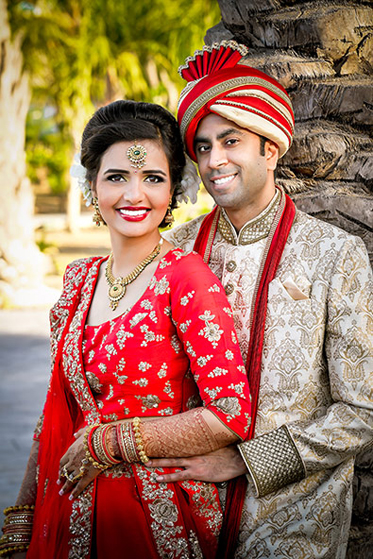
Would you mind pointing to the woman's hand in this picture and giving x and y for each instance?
(75, 474)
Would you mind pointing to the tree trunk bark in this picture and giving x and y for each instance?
(322, 54)
(21, 263)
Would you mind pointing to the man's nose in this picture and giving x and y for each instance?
(218, 157)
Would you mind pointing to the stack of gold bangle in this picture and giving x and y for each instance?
(127, 443)
(99, 443)
(139, 442)
(17, 529)
(130, 442)
(96, 449)
(90, 454)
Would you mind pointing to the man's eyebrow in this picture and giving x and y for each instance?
(221, 136)
(228, 132)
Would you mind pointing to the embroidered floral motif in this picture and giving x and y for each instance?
(212, 332)
(162, 371)
(214, 288)
(160, 286)
(122, 336)
(150, 401)
(230, 406)
(202, 361)
(218, 372)
(185, 300)
(141, 382)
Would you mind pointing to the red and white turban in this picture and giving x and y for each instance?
(220, 82)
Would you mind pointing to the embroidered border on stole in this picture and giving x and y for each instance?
(80, 526)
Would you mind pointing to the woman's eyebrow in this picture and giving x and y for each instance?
(123, 171)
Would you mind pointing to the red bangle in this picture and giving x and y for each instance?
(89, 442)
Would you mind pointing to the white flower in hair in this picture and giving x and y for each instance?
(79, 172)
(189, 183)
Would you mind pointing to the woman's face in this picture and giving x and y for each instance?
(133, 201)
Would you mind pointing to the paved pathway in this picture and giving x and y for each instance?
(24, 374)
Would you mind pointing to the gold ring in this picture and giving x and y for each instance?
(75, 478)
(65, 473)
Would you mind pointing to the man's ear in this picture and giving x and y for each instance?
(271, 155)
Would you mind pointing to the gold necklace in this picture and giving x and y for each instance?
(117, 286)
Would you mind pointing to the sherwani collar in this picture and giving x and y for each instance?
(254, 229)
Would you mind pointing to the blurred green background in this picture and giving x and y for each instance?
(81, 54)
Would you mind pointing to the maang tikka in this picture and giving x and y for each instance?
(137, 155)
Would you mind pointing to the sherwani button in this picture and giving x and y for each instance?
(229, 288)
(231, 266)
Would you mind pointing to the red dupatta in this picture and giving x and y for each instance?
(271, 258)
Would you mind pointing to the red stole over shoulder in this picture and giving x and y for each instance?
(271, 258)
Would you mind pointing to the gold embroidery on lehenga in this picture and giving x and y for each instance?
(81, 525)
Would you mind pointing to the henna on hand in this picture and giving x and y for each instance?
(194, 432)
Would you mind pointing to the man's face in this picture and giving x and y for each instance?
(231, 165)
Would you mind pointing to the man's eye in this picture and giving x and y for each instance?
(115, 178)
(231, 141)
(202, 149)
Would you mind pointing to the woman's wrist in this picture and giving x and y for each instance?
(112, 443)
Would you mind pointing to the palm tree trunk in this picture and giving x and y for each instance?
(21, 263)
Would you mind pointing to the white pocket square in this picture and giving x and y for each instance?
(295, 293)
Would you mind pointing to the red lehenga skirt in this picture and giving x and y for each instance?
(124, 513)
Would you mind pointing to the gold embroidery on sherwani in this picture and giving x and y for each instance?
(255, 229)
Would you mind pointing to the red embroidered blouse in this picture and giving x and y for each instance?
(138, 363)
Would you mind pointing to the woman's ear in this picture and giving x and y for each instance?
(271, 155)
(92, 185)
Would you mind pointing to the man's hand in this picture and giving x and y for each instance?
(220, 465)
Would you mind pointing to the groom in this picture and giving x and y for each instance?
(301, 295)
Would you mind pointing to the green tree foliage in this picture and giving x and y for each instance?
(84, 53)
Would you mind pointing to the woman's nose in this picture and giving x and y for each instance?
(133, 192)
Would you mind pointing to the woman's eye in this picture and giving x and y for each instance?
(115, 178)
(154, 179)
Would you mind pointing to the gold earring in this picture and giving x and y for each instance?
(97, 217)
(169, 218)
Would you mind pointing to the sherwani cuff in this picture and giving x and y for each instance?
(272, 460)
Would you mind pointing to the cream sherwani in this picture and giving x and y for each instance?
(316, 392)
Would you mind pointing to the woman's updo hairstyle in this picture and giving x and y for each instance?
(127, 121)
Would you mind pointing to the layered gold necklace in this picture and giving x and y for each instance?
(117, 286)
